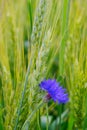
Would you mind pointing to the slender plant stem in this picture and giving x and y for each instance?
(30, 116)
(47, 126)
(38, 120)
(23, 93)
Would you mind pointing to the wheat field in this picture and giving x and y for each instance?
(43, 46)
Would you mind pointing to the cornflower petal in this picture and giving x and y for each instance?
(54, 90)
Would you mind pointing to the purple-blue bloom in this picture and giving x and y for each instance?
(55, 91)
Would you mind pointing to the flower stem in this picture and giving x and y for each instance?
(60, 110)
(47, 118)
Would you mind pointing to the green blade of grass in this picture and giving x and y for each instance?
(30, 14)
(64, 31)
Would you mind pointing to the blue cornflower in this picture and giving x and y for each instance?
(55, 91)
